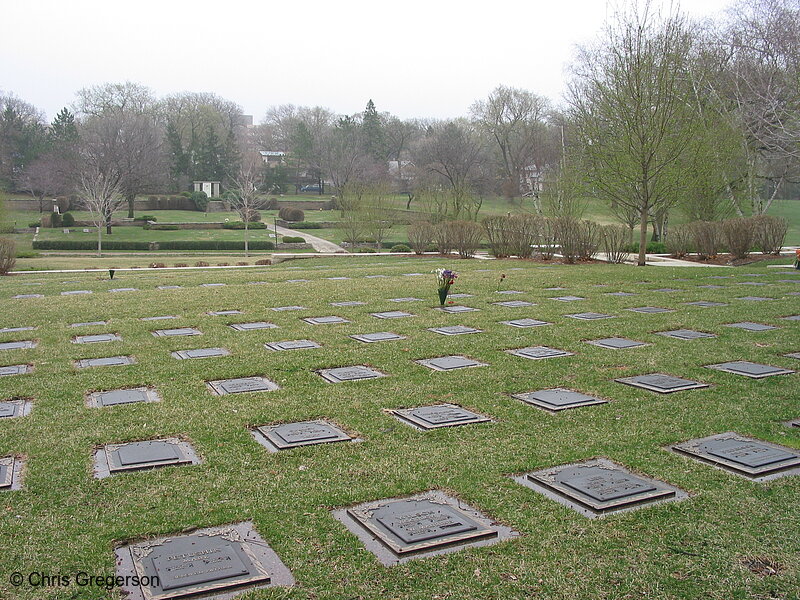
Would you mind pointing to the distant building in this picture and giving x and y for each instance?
(532, 181)
(272, 157)
(211, 188)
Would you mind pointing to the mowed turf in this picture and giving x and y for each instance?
(731, 539)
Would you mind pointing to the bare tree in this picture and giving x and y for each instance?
(101, 196)
(122, 135)
(516, 120)
(631, 106)
(246, 199)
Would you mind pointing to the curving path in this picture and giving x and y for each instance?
(320, 245)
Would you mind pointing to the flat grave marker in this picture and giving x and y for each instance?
(460, 295)
(454, 330)
(753, 298)
(590, 316)
(96, 339)
(76, 293)
(200, 353)
(438, 415)
(217, 561)
(113, 459)
(239, 385)
(686, 334)
(285, 436)
(291, 345)
(399, 529)
(568, 298)
(10, 473)
(325, 320)
(793, 355)
(252, 326)
(9, 370)
(449, 363)
(20, 345)
(711, 287)
(539, 352)
(661, 383)
(750, 326)
(348, 303)
(121, 397)
(621, 294)
(523, 323)
(223, 313)
(597, 487)
(457, 309)
(178, 332)
(287, 308)
(213, 284)
(407, 299)
(616, 343)
(110, 361)
(380, 336)
(353, 373)
(791, 318)
(160, 318)
(557, 399)
(750, 369)
(15, 407)
(392, 314)
(745, 456)
(16, 329)
(514, 303)
(510, 292)
(705, 304)
(117, 290)
(26, 296)
(650, 310)
(169, 287)
(89, 324)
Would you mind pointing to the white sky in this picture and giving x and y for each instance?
(414, 58)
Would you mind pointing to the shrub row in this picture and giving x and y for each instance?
(305, 225)
(240, 225)
(293, 239)
(167, 245)
(738, 236)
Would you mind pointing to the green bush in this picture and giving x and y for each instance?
(400, 248)
(305, 225)
(27, 254)
(164, 227)
(145, 218)
(200, 200)
(291, 214)
(186, 194)
(240, 225)
(35, 224)
(88, 245)
(55, 220)
(367, 250)
(6, 229)
(67, 220)
(293, 239)
(214, 245)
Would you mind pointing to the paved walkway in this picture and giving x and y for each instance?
(320, 245)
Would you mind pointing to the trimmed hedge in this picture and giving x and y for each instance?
(168, 245)
(304, 225)
(240, 225)
(292, 239)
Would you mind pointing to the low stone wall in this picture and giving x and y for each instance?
(154, 225)
(163, 203)
(306, 204)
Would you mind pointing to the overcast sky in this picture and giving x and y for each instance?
(414, 58)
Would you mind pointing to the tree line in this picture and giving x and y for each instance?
(661, 113)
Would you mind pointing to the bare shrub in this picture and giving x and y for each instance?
(707, 238)
(568, 231)
(242, 264)
(8, 255)
(181, 265)
(770, 233)
(679, 241)
(589, 240)
(466, 236)
(739, 236)
(524, 232)
(264, 261)
(222, 264)
(442, 236)
(496, 229)
(548, 239)
(201, 263)
(158, 265)
(420, 235)
(615, 240)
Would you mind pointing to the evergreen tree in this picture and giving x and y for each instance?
(374, 142)
(209, 165)
(178, 159)
(63, 131)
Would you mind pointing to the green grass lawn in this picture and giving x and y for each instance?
(63, 521)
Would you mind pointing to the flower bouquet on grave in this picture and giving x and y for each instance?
(444, 279)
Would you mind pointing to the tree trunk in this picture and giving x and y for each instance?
(131, 199)
(643, 238)
(108, 225)
(99, 241)
(246, 231)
